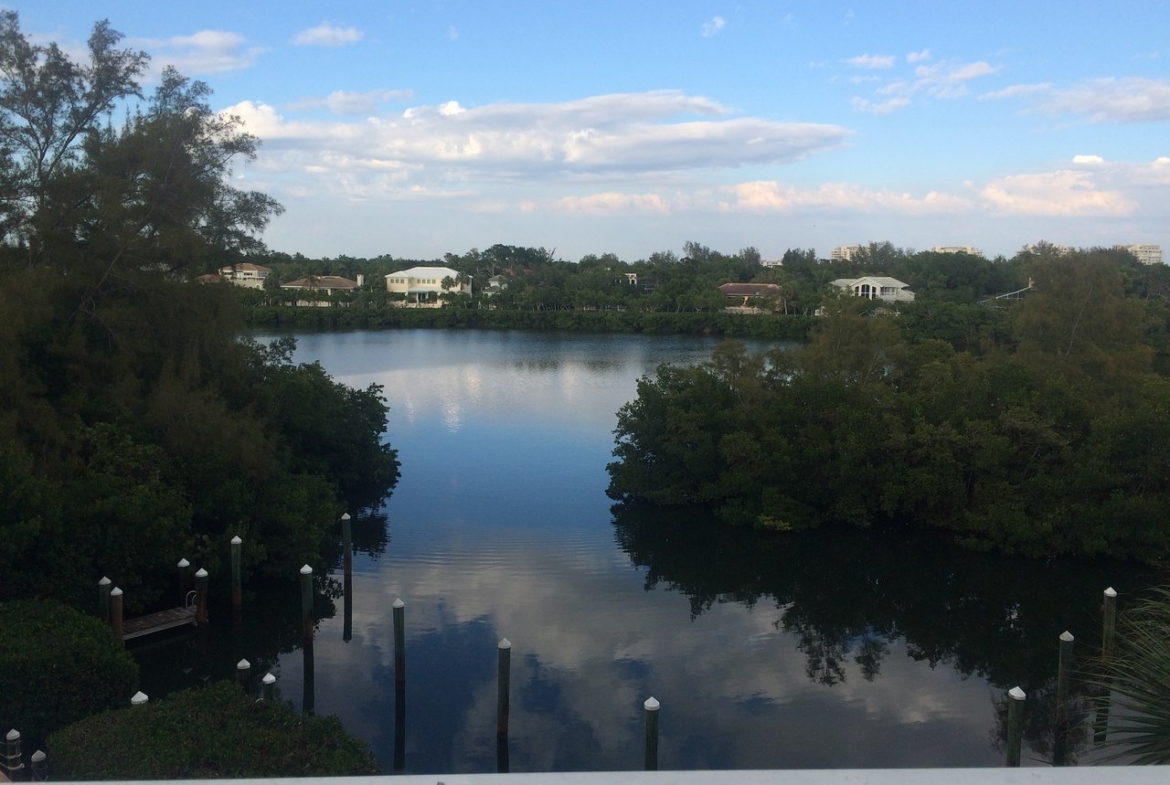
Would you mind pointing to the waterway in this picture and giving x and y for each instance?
(833, 649)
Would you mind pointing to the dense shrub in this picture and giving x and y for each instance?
(58, 665)
(209, 732)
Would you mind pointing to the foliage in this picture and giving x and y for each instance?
(210, 732)
(1135, 683)
(1044, 436)
(58, 665)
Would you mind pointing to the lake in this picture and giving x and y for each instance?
(829, 649)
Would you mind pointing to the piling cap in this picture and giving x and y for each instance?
(306, 570)
(38, 756)
(1017, 694)
(104, 581)
(236, 540)
(116, 592)
(651, 704)
(200, 573)
(345, 516)
(269, 679)
(505, 643)
(183, 564)
(139, 698)
(243, 665)
(398, 603)
(13, 735)
(1110, 592)
(1066, 636)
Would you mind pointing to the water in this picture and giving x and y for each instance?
(830, 649)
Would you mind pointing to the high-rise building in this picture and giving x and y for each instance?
(1145, 253)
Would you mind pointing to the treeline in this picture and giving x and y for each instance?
(1038, 426)
(135, 426)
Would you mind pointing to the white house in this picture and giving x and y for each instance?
(424, 285)
(245, 274)
(877, 287)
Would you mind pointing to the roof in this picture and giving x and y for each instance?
(879, 280)
(246, 267)
(321, 282)
(426, 272)
(750, 289)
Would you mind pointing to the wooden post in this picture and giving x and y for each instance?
(399, 641)
(307, 603)
(184, 569)
(40, 766)
(308, 685)
(13, 763)
(201, 597)
(139, 699)
(237, 582)
(116, 612)
(104, 587)
(1015, 728)
(244, 675)
(1109, 626)
(650, 712)
(503, 679)
(269, 689)
(1063, 669)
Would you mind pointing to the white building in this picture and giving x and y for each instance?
(877, 287)
(845, 253)
(1145, 252)
(424, 285)
(245, 274)
(968, 249)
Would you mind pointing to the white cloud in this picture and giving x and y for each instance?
(713, 27)
(918, 57)
(343, 102)
(612, 202)
(881, 107)
(949, 80)
(1060, 193)
(769, 196)
(1127, 100)
(204, 52)
(872, 61)
(1088, 159)
(1015, 91)
(326, 34)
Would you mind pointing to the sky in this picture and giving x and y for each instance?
(420, 128)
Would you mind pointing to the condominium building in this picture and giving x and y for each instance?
(1145, 253)
(845, 253)
(968, 249)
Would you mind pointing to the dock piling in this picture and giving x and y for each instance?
(1015, 728)
(650, 712)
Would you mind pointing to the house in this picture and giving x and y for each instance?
(245, 274)
(322, 285)
(877, 287)
(745, 291)
(424, 285)
(495, 285)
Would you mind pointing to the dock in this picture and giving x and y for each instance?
(157, 622)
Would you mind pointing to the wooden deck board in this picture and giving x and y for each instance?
(157, 622)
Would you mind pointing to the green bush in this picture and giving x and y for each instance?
(208, 732)
(57, 666)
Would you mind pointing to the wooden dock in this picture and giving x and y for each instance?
(157, 622)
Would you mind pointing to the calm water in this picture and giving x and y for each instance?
(825, 650)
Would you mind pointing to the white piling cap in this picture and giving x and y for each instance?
(1110, 592)
(183, 563)
(269, 679)
(116, 592)
(13, 735)
(306, 570)
(139, 698)
(345, 516)
(104, 581)
(236, 540)
(651, 704)
(1066, 636)
(1016, 693)
(200, 573)
(243, 665)
(38, 756)
(398, 603)
(505, 643)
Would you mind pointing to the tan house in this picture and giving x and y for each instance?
(743, 292)
(322, 286)
(423, 286)
(245, 274)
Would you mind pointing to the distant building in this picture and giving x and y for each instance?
(968, 249)
(424, 285)
(771, 263)
(877, 287)
(845, 253)
(1042, 247)
(1145, 253)
(744, 292)
(322, 284)
(245, 274)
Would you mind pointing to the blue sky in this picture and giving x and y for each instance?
(418, 128)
